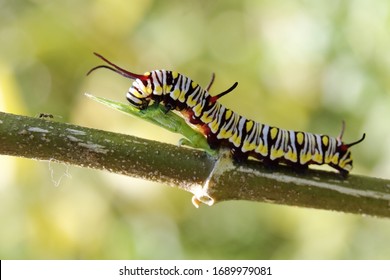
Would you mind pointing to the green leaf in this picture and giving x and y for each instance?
(169, 121)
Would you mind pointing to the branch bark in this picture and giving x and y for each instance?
(189, 169)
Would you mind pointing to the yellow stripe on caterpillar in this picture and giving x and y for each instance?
(304, 157)
(175, 74)
(198, 109)
(249, 125)
(235, 139)
(182, 97)
(158, 90)
(300, 137)
(276, 153)
(262, 149)
(228, 114)
(175, 93)
(274, 132)
(214, 125)
(325, 140)
(318, 157)
(291, 156)
(248, 146)
(225, 134)
(335, 158)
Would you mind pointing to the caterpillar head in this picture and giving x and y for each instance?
(140, 92)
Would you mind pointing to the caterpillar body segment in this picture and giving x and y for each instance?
(223, 127)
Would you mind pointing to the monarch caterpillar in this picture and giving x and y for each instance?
(222, 126)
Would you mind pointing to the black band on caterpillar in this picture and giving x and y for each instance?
(222, 126)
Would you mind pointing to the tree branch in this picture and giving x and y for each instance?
(189, 169)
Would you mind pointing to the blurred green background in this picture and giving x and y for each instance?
(303, 65)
